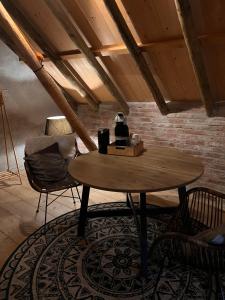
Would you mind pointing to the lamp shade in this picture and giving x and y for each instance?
(57, 125)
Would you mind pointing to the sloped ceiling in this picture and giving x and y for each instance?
(156, 28)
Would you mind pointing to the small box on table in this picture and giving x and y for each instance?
(133, 150)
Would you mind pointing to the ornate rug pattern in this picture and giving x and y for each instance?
(104, 265)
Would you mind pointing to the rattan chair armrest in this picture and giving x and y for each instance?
(207, 190)
(188, 249)
(184, 238)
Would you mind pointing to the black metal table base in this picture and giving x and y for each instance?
(150, 211)
(83, 210)
(142, 211)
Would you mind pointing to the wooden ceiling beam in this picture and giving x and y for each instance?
(108, 50)
(194, 49)
(9, 26)
(137, 55)
(5, 39)
(79, 85)
(84, 84)
(67, 22)
(69, 98)
(122, 49)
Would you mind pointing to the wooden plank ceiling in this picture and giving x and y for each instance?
(156, 29)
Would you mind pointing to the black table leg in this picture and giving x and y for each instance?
(184, 210)
(181, 193)
(143, 233)
(83, 210)
(128, 202)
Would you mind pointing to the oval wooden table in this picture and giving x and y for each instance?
(156, 169)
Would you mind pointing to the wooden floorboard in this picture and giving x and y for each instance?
(18, 218)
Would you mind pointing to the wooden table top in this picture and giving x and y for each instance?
(157, 169)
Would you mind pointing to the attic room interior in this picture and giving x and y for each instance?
(112, 140)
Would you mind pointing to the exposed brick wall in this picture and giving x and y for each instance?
(190, 131)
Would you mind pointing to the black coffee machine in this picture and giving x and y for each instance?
(121, 130)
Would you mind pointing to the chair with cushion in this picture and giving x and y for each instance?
(196, 236)
(46, 161)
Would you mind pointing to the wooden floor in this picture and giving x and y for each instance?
(18, 218)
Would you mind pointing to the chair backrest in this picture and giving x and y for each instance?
(204, 206)
(67, 144)
(67, 147)
(31, 178)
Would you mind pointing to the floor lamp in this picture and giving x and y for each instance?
(8, 143)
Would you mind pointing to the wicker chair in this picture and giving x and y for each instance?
(200, 210)
(56, 189)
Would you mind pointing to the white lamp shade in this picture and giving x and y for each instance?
(57, 125)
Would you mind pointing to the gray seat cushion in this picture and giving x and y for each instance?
(215, 236)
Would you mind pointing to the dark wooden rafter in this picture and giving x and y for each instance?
(194, 49)
(67, 95)
(84, 91)
(9, 26)
(69, 98)
(122, 48)
(66, 20)
(79, 85)
(137, 55)
(80, 79)
(175, 42)
(117, 49)
(5, 38)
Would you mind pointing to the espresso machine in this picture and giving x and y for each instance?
(121, 130)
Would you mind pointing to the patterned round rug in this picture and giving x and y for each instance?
(104, 265)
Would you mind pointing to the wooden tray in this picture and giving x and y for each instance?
(136, 150)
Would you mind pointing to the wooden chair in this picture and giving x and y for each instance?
(200, 210)
(53, 188)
